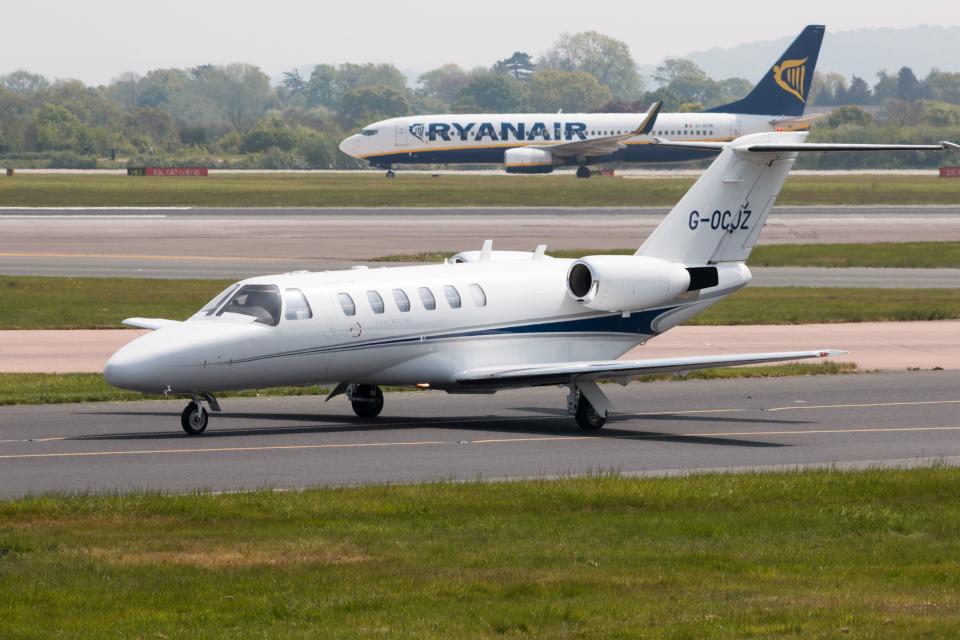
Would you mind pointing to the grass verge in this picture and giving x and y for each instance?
(926, 255)
(59, 388)
(417, 190)
(816, 554)
(35, 302)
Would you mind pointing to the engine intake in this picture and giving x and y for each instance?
(524, 160)
(626, 283)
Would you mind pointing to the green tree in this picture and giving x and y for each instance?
(848, 115)
(56, 129)
(908, 87)
(492, 93)
(269, 133)
(675, 68)
(23, 82)
(321, 89)
(572, 91)
(149, 126)
(353, 76)
(369, 104)
(443, 83)
(240, 91)
(606, 58)
(944, 86)
(520, 65)
(859, 92)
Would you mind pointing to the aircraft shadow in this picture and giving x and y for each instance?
(533, 426)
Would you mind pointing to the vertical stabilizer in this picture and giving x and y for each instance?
(720, 217)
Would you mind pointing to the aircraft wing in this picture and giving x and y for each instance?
(149, 323)
(605, 145)
(774, 147)
(621, 370)
(798, 123)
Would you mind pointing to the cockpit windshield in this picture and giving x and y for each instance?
(219, 299)
(261, 301)
(368, 132)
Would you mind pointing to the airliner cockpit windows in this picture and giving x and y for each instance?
(297, 306)
(347, 304)
(261, 301)
(401, 299)
(426, 298)
(479, 295)
(453, 296)
(369, 132)
(376, 301)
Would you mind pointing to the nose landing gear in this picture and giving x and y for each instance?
(583, 171)
(195, 416)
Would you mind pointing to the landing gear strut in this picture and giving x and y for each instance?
(391, 173)
(366, 400)
(589, 405)
(195, 416)
(583, 172)
(194, 419)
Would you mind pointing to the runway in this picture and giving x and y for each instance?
(236, 243)
(660, 428)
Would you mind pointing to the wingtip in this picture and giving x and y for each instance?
(829, 353)
(950, 146)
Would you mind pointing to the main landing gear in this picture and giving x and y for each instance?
(588, 404)
(391, 173)
(583, 171)
(366, 400)
(195, 416)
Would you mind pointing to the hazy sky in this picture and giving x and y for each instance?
(96, 40)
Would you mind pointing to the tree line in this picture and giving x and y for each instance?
(234, 116)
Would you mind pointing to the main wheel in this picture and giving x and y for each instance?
(391, 173)
(589, 418)
(367, 401)
(194, 419)
(583, 172)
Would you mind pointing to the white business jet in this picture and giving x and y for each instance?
(486, 320)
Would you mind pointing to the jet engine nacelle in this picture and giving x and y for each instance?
(626, 283)
(528, 161)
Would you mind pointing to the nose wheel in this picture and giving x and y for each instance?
(583, 171)
(366, 400)
(194, 419)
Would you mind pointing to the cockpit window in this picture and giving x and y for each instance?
(369, 132)
(297, 306)
(261, 301)
(211, 306)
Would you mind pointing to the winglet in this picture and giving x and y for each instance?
(647, 125)
(950, 146)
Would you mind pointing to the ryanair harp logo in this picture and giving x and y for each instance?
(790, 75)
(416, 130)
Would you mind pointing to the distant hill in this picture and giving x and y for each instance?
(861, 52)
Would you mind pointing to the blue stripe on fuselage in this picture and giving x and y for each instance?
(494, 155)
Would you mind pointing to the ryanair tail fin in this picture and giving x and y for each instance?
(784, 89)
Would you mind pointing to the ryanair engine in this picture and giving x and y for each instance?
(523, 160)
(629, 283)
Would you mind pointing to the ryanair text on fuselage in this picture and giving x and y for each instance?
(503, 131)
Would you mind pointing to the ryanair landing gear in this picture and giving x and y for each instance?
(583, 172)
(366, 400)
(391, 173)
(587, 403)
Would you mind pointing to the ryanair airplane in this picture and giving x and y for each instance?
(537, 143)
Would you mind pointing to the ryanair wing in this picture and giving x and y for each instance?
(565, 372)
(604, 145)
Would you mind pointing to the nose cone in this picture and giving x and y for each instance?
(351, 145)
(135, 365)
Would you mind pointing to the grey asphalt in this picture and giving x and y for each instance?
(236, 243)
(660, 428)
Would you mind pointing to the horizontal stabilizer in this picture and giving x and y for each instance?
(149, 323)
(565, 372)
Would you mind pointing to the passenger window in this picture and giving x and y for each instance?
(453, 296)
(403, 302)
(427, 299)
(260, 301)
(376, 302)
(479, 295)
(297, 306)
(347, 304)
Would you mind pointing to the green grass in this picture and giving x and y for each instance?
(35, 302)
(59, 388)
(809, 555)
(372, 189)
(929, 255)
